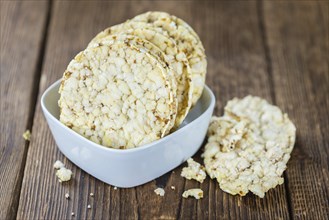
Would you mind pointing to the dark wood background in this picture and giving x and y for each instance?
(274, 49)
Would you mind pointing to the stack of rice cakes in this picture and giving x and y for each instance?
(135, 82)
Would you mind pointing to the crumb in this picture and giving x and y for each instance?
(115, 188)
(89, 206)
(63, 174)
(194, 170)
(58, 164)
(159, 191)
(173, 188)
(27, 135)
(91, 194)
(67, 196)
(72, 214)
(196, 193)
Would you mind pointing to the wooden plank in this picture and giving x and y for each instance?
(237, 67)
(72, 26)
(231, 32)
(22, 29)
(297, 35)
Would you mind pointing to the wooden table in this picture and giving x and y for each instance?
(274, 49)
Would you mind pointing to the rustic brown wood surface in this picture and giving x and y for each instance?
(22, 31)
(274, 49)
(298, 51)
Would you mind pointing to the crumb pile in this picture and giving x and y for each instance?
(62, 172)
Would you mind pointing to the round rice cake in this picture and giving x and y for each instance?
(187, 41)
(248, 148)
(176, 59)
(125, 26)
(149, 48)
(118, 95)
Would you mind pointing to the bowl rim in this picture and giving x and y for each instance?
(122, 151)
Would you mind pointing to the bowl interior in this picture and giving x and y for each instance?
(51, 97)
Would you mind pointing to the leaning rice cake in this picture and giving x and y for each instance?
(177, 60)
(187, 41)
(117, 95)
(151, 49)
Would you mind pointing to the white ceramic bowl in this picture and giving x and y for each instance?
(131, 167)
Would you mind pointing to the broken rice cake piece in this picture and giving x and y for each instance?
(248, 148)
(159, 191)
(62, 173)
(58, 164)
(27, 135)
(194, 171)
(196, 193)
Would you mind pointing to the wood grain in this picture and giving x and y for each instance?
(276, 50)
(72, 26)
(22, 30)
(298, 45)
(237, 67)
(232, 36)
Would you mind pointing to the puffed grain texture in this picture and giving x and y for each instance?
(194, 170)
(187, 41)
(63, 174)
(117, 95)
(150, 49)
(196, 193)
(248, 148)
(177, 60)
